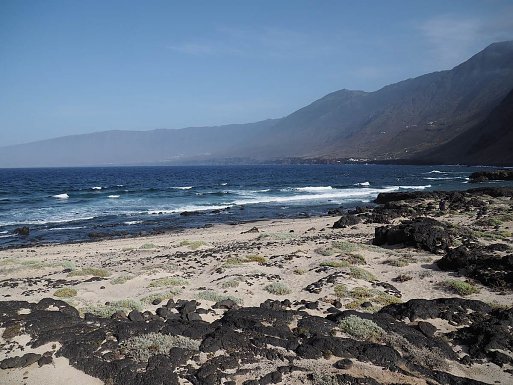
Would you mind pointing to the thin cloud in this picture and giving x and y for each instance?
(250, 42)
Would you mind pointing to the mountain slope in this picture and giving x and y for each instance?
(489, 142)
(132, 147)
(399, 121)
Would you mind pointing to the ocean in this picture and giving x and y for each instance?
(81, 204)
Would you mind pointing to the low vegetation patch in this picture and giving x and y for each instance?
(462, 288)
(344, 246)
(256, 258)
(94, 271)
(359, 273)
(230, 283)
(210, 295)
(193, 245)
(65, 292)
(109, 308)
(168, 281)
(337, 264)
(161, 296)
(299, 271)
(361, 328)
(148, 246)
(277, 288)
(121, 279)
(142, 347)
(341, 291)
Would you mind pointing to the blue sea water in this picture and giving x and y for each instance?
(80, 204)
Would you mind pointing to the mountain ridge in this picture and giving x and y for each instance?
(398, 121)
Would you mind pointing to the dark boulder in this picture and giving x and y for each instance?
(425, 233)
(346, 220)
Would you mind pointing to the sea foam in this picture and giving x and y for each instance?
(61, 196)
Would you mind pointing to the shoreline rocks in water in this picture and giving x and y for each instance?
(483, 176)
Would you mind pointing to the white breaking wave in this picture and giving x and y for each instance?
(363, 184)
(187, 208)
(132, 222)
(96, 188)
(7, 236)
(182, 187)
(415, 187)
(337, 195)
(314, 189)
(113, 196)
(67, 228)
(435, 172)
(224, 184)
(3, 232)
(61, 196)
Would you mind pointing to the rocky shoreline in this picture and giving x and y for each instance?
(417, 290)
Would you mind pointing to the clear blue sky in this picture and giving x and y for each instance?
(69, 67)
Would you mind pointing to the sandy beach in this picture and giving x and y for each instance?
(319, 269)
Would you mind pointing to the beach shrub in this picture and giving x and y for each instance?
(193, 245)
(161, 296)
(256, 258)
(431, 358)
(168, 281)
(230, 283)
(95, 272)
(341, 290)
(325, 251)
(109, 308)
(359, 273)
(337, 264)
(356, 259)
(344, 246)
(65, 292)
(142, 347)
(277, 288)
(299, 271)
(68, 265)
(461, 287)
(361, 328)
(121, 279)
(148, 246)
(210, 295)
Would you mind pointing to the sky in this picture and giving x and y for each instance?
(70, 67)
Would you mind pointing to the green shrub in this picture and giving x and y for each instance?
(299, 271)
(256, 258)
(168, 281)
(277, 288)
(148, 246)
(344, 246)
(65, 292)
(161, 296)
(106, 310)
(142, 347)
(461, 287)
(341, 291)
(193, 245)
(210, 295)
(121, 279)
(325, 251)
(337, 264)
(361, 328)
(230, 283)
(359, 273)
(95, 272)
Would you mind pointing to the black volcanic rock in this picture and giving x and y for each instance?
(482, 176)
(426, 233)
